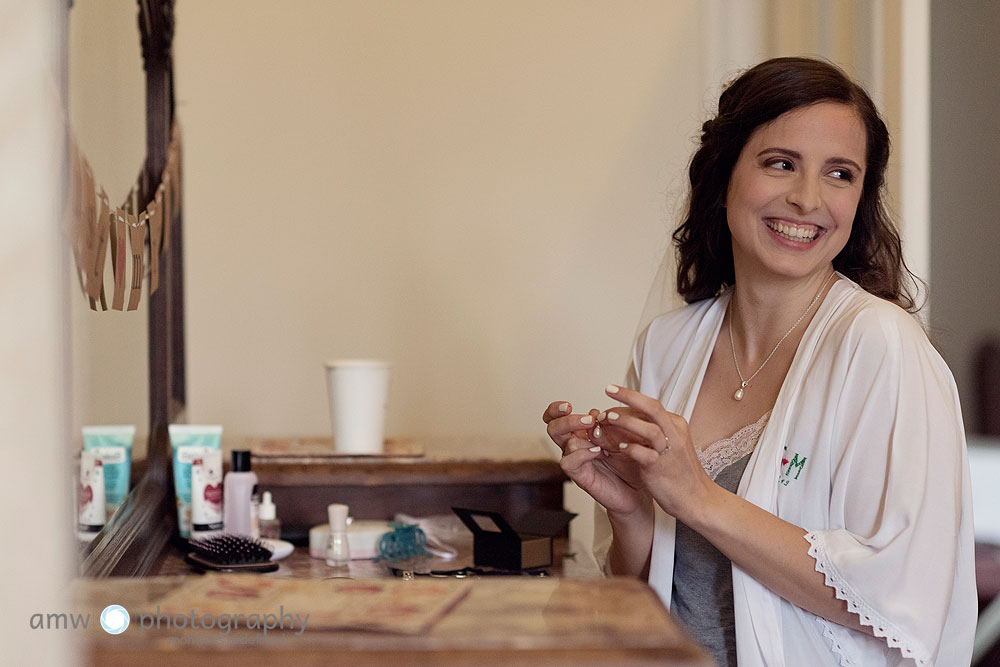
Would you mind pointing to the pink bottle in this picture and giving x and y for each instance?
(237, 491)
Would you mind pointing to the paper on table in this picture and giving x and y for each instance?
(372, 605)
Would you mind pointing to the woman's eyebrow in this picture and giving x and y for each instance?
(798, 156)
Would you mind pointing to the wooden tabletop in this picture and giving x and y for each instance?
(221, 619)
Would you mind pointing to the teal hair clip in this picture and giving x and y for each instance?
(402, 542)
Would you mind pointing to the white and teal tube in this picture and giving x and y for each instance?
(189, 442)
(113, 446)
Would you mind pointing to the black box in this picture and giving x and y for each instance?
(525, 544)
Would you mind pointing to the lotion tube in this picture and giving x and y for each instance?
(206, 495)
(189, 442)
(113, 446)
(91, 511)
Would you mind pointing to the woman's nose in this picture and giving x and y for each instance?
(804, 194)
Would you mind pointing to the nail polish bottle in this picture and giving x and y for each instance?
(338, 551)
(270, 526)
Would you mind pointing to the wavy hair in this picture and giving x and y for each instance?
(872, 257)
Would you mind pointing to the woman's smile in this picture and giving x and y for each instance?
(796, 233)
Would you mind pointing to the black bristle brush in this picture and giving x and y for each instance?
(231, 553)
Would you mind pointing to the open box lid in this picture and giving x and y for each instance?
(537, 522)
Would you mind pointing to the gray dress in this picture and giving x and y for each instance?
(702, 595)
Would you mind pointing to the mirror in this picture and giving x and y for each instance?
(107, 116)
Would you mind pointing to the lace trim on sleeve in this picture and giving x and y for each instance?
(881, 626)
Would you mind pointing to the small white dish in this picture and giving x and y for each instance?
(279, 548)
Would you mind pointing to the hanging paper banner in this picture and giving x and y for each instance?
(92, 224)
(95, 279)
(137, 239)
(118, 226)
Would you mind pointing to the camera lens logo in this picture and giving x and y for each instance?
(114, 619)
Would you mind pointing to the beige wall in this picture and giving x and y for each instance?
(478, 192)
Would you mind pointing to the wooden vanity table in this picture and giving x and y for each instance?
(415, 476)
(370, 615)
(386, 621)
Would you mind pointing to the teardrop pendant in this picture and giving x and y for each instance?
(739, 394)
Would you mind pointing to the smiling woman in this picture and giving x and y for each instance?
(839, 486)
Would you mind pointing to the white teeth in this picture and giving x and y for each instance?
(794, 233)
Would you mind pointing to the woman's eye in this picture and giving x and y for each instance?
(843, 175)
(780, 163)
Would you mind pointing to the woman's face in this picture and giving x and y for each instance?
(794, 192)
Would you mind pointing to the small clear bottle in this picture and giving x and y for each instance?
(255, 512)
(269, 525)
(338, 551)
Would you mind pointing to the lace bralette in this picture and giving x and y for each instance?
(721, 454)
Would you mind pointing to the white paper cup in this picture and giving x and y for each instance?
(359, 393)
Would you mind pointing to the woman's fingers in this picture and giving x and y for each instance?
(647, 405)
(649, 433)
(560, 429)
(575, 444)
(641, 454)
(556, 409)
(576, 454)
(650, 408)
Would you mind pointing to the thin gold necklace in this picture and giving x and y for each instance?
(743, 383)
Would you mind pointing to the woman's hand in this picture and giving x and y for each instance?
(659, 444)
(608, 477)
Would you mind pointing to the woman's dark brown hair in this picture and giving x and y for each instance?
(872, 258)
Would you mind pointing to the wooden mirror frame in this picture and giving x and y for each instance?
(135, 536)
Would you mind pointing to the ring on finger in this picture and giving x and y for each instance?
(666, 446)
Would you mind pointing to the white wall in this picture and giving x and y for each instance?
(34, 396)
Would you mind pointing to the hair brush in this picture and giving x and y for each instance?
(230, 553)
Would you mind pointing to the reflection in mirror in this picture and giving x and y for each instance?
(107, 115)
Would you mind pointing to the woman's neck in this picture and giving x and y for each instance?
(763, 310)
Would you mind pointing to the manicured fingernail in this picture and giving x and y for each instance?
(564, 407)
(586, 420)
(597, 431)
(623, 445)
(601, 416)
(611, 389)
(595, 449)
(612, 416)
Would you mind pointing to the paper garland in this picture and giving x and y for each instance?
(93, 226)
